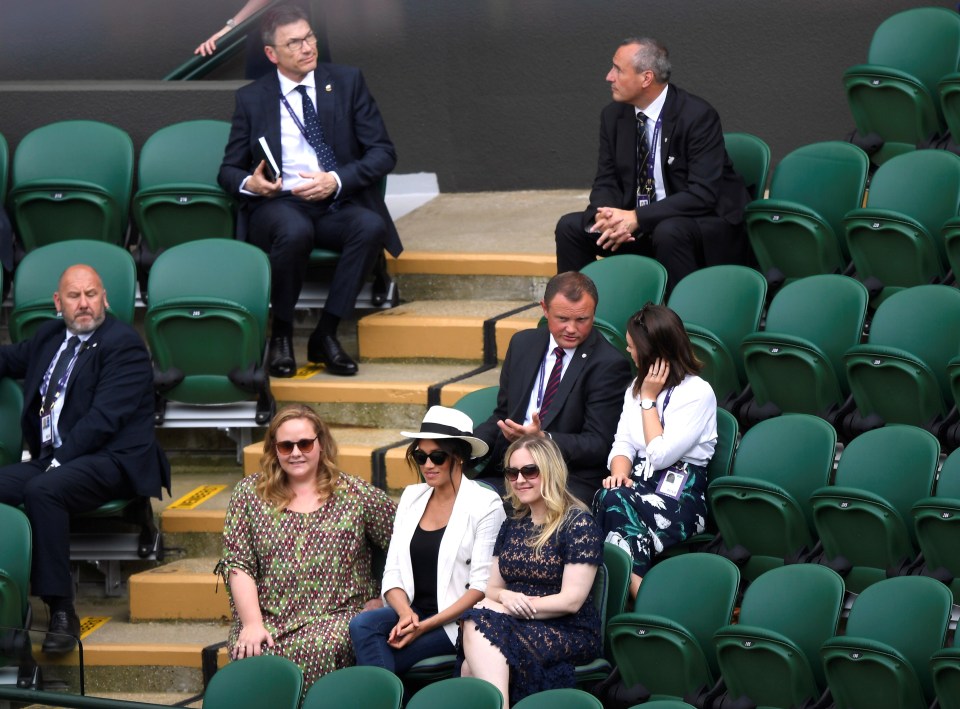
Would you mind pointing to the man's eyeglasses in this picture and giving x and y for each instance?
(436, 457)
(304, 444)
(295, 45)
(529, 472)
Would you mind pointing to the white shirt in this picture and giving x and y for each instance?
(689, 426)
(297, 155)
(546, 366)
(652, 112)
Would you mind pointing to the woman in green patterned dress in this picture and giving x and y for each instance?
(296, 548)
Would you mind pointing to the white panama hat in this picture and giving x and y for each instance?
(443, 422)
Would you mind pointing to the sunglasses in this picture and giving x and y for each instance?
(529, 472)
(304, 444)
(436, 457)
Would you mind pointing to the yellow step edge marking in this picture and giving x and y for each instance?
(196, 497)
(307, 371)
(90, 623)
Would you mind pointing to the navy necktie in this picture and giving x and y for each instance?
(63, 361)
(553, 383)
(328, 161)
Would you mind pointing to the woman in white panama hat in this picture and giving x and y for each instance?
(439, 559)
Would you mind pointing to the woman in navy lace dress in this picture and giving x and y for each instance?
(538, 619)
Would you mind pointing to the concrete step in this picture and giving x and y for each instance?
(124, 656)
(181, 590)
(445, 330)
(385, 395)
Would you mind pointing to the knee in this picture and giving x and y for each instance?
(292, 241)
(569, 227)
(674, 234)
(362, 626)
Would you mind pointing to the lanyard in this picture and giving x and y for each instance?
(296, 119)
(61, 383)
(666, 400)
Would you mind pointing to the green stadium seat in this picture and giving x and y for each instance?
(178, 199)
(460, 692)
(796, 364)
(362, 687)
(16, 553)
(896, 241)
(937, 523)
(883, 659)
(255, 682)
(949, 90)
(559, 699)
(207, 327)
(895, 93)
(11, 434)
(763, 505)
(719, 306)
(945, 671)
(865, 517)
(666, 643)
(900, 374)
(771, 656)
(799, 231)
(72, 180)
(751, 160)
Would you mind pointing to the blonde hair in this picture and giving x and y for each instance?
(273, 487)
(553, 487)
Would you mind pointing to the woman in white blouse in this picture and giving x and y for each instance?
(655, 495)
(441, 551)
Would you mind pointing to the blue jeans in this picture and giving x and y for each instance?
(369, 631)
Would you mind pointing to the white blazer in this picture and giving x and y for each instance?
(466, 550)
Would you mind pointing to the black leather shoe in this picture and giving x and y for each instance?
(63, 633)
(281, 361)
(327, 349)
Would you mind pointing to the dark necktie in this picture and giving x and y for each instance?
(328, 161)
(553, 383)
(643, 154)
(63, 361)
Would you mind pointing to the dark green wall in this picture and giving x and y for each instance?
(489, 94)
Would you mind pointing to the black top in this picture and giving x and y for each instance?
(424, 554)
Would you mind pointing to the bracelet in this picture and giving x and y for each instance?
(231, 23)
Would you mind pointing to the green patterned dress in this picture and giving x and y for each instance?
(312, 569)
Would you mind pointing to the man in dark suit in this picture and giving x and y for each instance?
(325, 132)
(581, 410)
(88, 425)
(665, 186)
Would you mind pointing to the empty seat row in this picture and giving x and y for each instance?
(816, 222)
(906, 92)
(786, 649)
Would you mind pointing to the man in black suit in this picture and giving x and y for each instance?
(582, 415)
(665, 186)
(88, 425)
(324, 130)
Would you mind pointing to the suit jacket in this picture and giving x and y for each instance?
(583, 416)
(466, 550)
(352, 127)
(108, 403)
(698, 175)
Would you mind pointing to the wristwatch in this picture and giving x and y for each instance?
(648, 404)
(231, 23)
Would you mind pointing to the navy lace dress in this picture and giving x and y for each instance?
(543, 653)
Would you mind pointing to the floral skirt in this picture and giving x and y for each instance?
(644, 522)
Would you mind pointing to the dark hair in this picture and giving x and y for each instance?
(572, 285)
(459, 450)
(651, 55)
(657, 331)
(278, 16)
